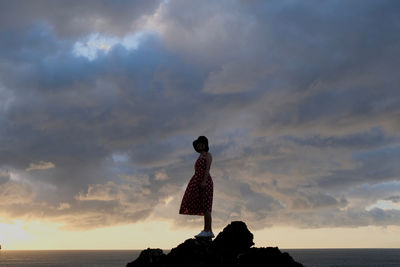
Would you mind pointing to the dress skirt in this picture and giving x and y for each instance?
(197, 201)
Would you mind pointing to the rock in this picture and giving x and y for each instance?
(149, 257)
(231, 247)
(193, 252)
(266, 257)
(234, 239)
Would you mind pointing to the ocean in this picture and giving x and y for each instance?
(115, 258)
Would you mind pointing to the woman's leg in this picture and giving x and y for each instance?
(207, 221)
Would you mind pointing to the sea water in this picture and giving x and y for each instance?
(115, 258)
(346, 257)
(67, 258)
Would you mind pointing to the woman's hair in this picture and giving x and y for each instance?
(201, 139)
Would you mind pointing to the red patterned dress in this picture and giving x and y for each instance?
(196, 201)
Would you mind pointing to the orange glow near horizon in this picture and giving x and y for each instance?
(37, 235)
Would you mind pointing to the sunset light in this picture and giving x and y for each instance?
(135, 124)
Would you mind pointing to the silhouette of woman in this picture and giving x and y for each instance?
(198, 196)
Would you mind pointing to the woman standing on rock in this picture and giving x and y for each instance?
(198, 196)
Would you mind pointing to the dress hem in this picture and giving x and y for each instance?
(198, 214)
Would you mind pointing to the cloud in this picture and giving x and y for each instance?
(12, 193)
(77, 18)
(64, 206)
(4, 177)
(161, 175)
(394, 199)
(234, 78)
(112, 191)
(299, 101)
(42, 165)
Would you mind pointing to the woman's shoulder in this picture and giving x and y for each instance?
(208, 156)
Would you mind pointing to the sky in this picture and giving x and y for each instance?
(100, 102)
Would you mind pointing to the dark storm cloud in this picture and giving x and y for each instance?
(361, 140)
(68, 115)
(373, 166)
(395, 199)
(76, 18)
(299, 100)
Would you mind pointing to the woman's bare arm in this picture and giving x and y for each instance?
(208, 164)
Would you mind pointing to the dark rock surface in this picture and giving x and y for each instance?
(231, 247)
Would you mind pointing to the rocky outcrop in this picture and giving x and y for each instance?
(231, 247)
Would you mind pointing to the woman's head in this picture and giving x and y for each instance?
(201, 144)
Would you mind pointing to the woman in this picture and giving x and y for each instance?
(198, 196)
